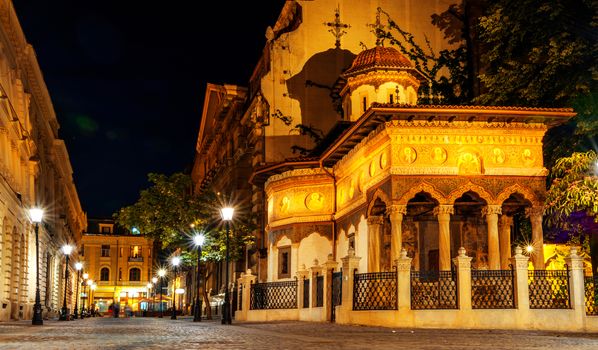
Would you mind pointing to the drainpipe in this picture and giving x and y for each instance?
(333, 219)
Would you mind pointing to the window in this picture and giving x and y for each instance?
(365, 104)
(105, 274)
(134, 274)
(135, 251)
(105, 250)
(120, 274)
(284, 262)
(391, 98)
(106, 228)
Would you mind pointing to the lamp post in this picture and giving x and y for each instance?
(175, 262)
(227, 217)
(85, 277)
(161, 274)
(66, 250)
(78, 267)
(93, 288)
(154, 281)
(36, 215)
(198, 240)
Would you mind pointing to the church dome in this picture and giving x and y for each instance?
(378, 58)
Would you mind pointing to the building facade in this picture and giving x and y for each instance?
(120, 263)
(35, 172)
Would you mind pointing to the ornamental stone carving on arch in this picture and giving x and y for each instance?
(379, 193)
(298, 232)
(518, 188)
(421, 187)
(470, 186)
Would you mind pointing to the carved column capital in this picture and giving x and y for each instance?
(397, 209)
(534, 211)
(492, 210)
(444, 209)
(376, 220)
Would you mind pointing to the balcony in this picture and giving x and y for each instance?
(135, 259)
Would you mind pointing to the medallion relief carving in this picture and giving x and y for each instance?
(314, 201)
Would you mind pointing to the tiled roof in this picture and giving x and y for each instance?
(378, 57)
(471, 107)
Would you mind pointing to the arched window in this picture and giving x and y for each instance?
(105, 274)
(134, 274)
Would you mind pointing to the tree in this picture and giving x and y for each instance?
(572, 200)
(170, 212)
(544, 54)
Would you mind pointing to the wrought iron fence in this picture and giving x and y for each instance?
(433, 290)
(549, 289)
(375, 291)
(337, 288)
(492, 289)
(240, 296)
(319, 291)
(274, 295)
(591, 288)
(306, 292)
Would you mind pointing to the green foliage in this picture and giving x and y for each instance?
(574, 189)
(166, 211)
(448, 72)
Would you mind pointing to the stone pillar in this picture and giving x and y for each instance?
(404, 280)
(246, 280)
(444, 235)
(492, 212)
(302, 274)
(350, 265)
(519, 262)
(329, 267)
(576, 286)
(316, 270)
(463, 264)
(505, 241)
(535, 216)
(374, 225)
(396, 224)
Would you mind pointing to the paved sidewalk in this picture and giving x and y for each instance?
(154, 333)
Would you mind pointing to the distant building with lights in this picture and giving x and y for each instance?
(121, 263)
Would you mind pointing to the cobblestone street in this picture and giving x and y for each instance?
(154, 333)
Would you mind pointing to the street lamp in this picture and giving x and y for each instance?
(198, 240)
(85, 277)
(93, 288)
(36, 215)
(175, 262)
(161, 274)
(78, 267)
(66, 250)
(227, 217)
(154, 282)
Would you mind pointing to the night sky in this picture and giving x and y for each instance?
(127, 80)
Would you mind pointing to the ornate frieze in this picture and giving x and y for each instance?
(444, 209)
(298, 232)
(492, 210)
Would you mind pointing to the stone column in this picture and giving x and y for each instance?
(374, 225)
(505, 240)
(492, 212)
(246, 280)
(576, 286)
(463, 264)
(404, 280)
(350, 265)
(302, 274)
(520, 262)
(396, 222)
(444, 235)
(329, 267)
(535, 216)
(316, 270)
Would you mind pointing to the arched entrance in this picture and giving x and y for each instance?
(379, 237)
(469, 229)
(515, 228)
(420, 232)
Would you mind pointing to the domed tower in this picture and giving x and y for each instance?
(381, 74)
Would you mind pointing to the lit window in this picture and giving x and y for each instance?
(135, 251)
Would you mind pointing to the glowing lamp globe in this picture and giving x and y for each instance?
(36, 214)
(67, 249)
(227, 213)
(199, 240)
(78, 266)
